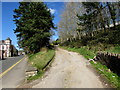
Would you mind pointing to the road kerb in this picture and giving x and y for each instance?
(2, 74)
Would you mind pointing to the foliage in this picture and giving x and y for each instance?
(39, 75)
(40, 60)
(56, 42)
(114, 49)
(90, 17)
(68, 23)
(34, 22)
(96, 38)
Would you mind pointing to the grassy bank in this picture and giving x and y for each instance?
(83, 51)
(40, 60)
(115, 49)
(105, 47)
(89, 53)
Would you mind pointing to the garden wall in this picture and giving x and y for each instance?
(111, 60)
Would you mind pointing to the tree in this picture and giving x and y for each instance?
(113, 10)
(33, 24)
(85, 19)
(68, 23)
(93, 18)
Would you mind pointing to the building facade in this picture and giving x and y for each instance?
(7, 49)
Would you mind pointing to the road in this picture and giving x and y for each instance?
(69, 70)
(8, 62)
(16, 75)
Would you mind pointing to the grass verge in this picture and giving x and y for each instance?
(40, 60)
(83, 51)
(111, 77)
(104, 47)
(115, 49)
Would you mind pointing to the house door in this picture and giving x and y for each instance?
(2, 57)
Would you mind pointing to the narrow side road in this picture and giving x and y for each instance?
(69, 70)
(15, 76)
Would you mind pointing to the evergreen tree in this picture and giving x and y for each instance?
(94, 18)
(112, 10)
(34, 22)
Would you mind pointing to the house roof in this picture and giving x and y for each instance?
(2, 41)
(8, 38)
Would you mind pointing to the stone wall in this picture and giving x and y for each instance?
(111, 60)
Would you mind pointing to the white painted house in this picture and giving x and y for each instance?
(7, 49)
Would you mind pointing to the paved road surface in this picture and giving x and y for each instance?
(8, 62)
(16, 75)
(69, 70)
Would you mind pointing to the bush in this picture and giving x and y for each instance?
(95, 38)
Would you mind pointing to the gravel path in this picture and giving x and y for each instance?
(69, 70)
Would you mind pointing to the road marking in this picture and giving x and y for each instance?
(2, 74)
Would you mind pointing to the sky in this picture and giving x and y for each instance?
(8, 25)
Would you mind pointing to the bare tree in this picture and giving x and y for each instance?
(68, 25)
